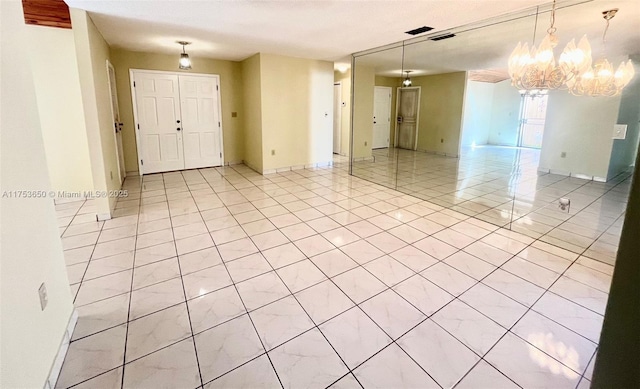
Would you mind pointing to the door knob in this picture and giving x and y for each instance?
(178, 129)
(374, 122)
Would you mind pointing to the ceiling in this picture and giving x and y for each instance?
(489, 47)
(321, 29)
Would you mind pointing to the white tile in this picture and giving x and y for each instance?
(529, 367)
(392, 313)
(261, 290)
(517, 288)
(307, 361)
(333, 262)
(156, 297)
(470, 265)
(440, 354)
(435, 248)
(531, 272)
(361, 251)
(226, 347)
(393, 368)
(448, 278)
(485, 376)
(214, 308)
(359, 284)
(257, 373)
(300, 275)
(199, 260)
(423, 294)
(248, 267)
(571, 315)
(204, 281)
(283, 255)
(469, 326)
(388, 270)
(413, 258)
(497, 306)
(581, 294)
(280, 321)
(323, 301)
(354, 336)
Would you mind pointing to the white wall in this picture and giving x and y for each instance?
(92, 52)
(505, 114)
(31, 248)
(345, 134)
(623, 151)
(478, 104)
(53, 63)
(582, 127)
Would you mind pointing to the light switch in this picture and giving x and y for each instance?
(619, 131)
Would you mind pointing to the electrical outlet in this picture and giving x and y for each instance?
(234, 114)
(44, 299)
(273, 152)
(563, 154)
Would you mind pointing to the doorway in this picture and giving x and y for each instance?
(117, 123)
(178, 121)
(532, 119)
(381, 117)
(407, 117)
(337, 117)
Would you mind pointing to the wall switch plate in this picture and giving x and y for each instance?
(619, 131)
(44, 299)
(234, 114)
(563, 154)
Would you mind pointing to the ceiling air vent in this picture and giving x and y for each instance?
(419, 30)
(443, 36)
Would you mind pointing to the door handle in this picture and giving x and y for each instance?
(178, 129)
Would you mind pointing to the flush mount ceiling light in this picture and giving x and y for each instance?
(407, 80)
(537, 68)
(185, 61)
(601, 80)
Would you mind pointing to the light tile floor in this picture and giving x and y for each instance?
(223, 278)
(493, 183)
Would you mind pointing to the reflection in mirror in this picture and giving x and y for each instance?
(373, 115)
(547, 164)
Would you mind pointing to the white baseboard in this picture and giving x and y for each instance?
(103, 216)
(297, 167)
(62, 352)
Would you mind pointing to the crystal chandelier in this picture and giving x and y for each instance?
(536, 68)
(602, 80)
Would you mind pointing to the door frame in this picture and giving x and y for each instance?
(395, 141)
(339, 83)
(115, 136)
(374, 111)
(132, 73)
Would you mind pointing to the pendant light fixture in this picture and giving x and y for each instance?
(536, 69)
(185, 61)
(407, 80)
(601, 80)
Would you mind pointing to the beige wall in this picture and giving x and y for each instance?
(93, 52)
(393, 83)
(31, 248)
(345, 128)
(297, 111)
(441, 105)
(364, 82)
(230, 96)
(53, 57)
(582, 127)
(253, 112)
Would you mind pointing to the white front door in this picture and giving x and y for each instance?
(337, 117)
(381, 117)
(117, 124)
(201, 122)
(158, 115)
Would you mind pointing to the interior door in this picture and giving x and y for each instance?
(408, 102)
(117, 123)
(337, 117)
(158, 115)
(201, 122)
(381, 117)
(534, 112)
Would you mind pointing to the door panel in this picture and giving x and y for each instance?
(381, 117)
(201, 121)
(157, 101)
(408, 100)
(117, 123)
(533, 119)
(337, 117)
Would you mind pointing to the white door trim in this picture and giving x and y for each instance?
(395, 143)
(115, 136)
(132, 73)
(339, 83)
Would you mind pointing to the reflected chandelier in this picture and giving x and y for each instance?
(601, 80)
(536, 69)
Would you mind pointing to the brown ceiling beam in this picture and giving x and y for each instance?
(51, 13)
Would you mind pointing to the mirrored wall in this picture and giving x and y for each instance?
(437, 117)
